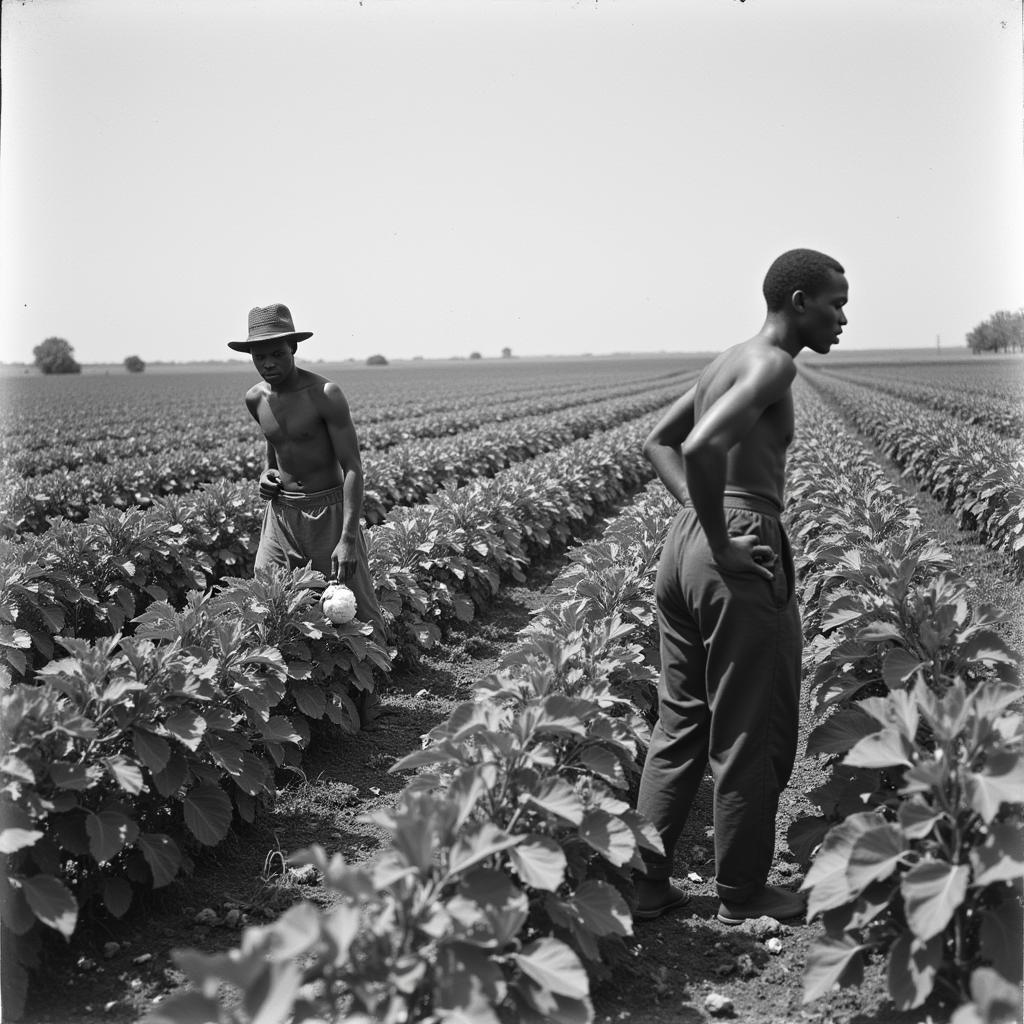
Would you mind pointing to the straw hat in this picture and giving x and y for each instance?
(269, 323)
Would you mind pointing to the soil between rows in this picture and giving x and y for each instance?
(676, 960)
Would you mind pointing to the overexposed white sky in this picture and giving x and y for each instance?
(434, 177)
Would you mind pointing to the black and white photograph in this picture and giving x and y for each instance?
(512, 511)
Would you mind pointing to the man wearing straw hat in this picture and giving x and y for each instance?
(313, 480)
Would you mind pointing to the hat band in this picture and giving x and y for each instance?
(271, 330)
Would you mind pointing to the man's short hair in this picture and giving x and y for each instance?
(805, 270)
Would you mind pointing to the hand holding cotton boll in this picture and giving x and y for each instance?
(339, 604)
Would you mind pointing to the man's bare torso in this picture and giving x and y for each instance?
(294, 425)
(757, 463)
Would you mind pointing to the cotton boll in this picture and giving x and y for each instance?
(339, 604)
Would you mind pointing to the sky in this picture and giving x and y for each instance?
(437, 177)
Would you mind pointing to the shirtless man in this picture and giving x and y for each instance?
(313, 481)
(730, 627)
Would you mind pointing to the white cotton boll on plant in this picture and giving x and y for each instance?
(339, 604)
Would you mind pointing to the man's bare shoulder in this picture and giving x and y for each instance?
(763, 363)
(751, 362)
(327, 394)
(255, 393)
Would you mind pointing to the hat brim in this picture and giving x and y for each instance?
(247, 346)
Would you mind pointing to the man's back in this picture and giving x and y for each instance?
(756, 464)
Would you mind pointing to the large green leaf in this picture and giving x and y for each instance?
(469, 985)
(310, 700)
(187, 728)
(488, 908)
(15, 912)
(275, 1002)
(1001, 857)
(826, 879)
(51, 902)
(172, 777)
(912, 969)
(917, 818)
(340, 924)
(153, 751)
(472, 848)
(874, 856)
(71, 776)
(883, 749)
(832, 960)
(600, 909)
(851, 917)
(17, 768)
(899, 667)
(841, 731)
(1000, 781)
(14, 839)
(467, 787)
(609, 835)
(554, 966)
(994, 1000)
(555, 796)
(117, 896)
(540, 862)
(294, 933)
(207, 813)
(805, 835)
(109, 833)
(162, 855)
(604, 764)
(279, 729)
(928, 776)
(932, 892)
(127, 774)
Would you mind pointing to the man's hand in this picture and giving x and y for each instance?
(270, 483)
(343, 560)
(744, 554)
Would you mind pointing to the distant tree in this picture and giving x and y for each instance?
(55, 355)
(1001, 332)
(506, 353)
(376, 361)
(133, 364)
(475, 355)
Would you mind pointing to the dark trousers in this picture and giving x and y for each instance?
(300, 529)
(728, 696)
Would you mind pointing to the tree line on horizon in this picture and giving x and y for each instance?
(1001, 332)
(56, 355)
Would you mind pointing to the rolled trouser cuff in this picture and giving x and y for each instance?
(737, 893)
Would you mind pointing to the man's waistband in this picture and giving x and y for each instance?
(314, 499)
(748, 502)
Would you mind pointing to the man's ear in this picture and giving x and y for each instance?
(798, 300)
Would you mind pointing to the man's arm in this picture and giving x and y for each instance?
(342, 432)
(663, 444)
(270, 478)
(706, 449)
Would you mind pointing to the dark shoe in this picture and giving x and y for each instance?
(674, 899)
(771, 901)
